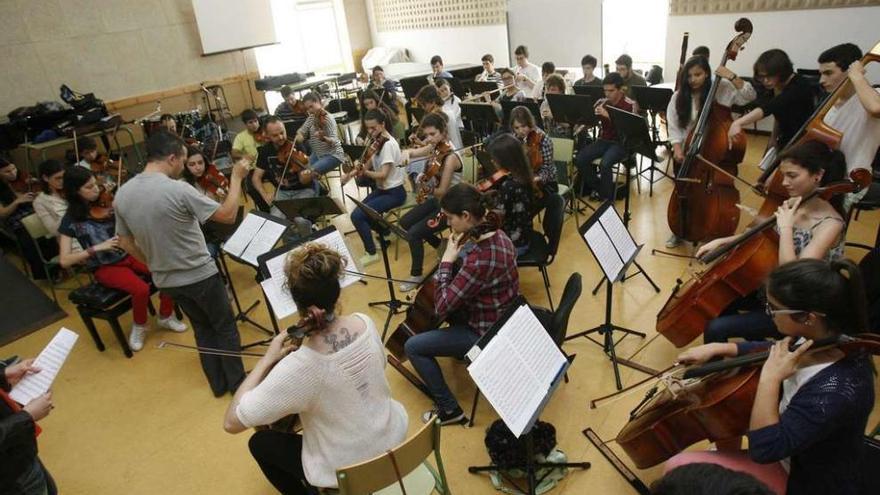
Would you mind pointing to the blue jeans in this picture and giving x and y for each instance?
(603, 181)
(422, 349)
(380, 200)
(415, 222)
(322, 165)
(753, 324)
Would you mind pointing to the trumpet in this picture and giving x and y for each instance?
(486, 93)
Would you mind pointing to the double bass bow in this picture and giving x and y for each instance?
(703, 203)
(740, 269)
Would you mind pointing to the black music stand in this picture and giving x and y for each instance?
(394, 305)
(243, 315)
(454, 83)
(573, 109)
(546, 344)
(481, 117)
(633, 132)
(615, 250)
(595, 92)
(655, 101)
(534, 107)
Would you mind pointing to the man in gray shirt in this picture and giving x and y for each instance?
(157, 221)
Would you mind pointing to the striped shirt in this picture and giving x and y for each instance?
(484, 285)
(319, 146)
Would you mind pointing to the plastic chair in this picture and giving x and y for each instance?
(36, 230)
(559, 322)
(563, 154)
(379, 475)
(543, 247)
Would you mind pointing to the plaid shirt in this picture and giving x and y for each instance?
(547, 173)
(485, 284)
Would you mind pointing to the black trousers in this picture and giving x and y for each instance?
(207, 306)
(279, 456)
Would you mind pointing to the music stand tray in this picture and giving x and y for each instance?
(594, 92)
(315, 207)
(651, 98)
(573, 109)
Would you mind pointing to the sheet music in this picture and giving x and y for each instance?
(263, 241)
(50, 360)
(620, 237)
(526, 333)
(604, 251)
(516, 369)
(238, 242)
(335, 241)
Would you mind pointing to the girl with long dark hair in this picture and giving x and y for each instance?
(517, 190)
(112, 266)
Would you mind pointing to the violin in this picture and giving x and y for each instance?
(703, 203)
(432, 169)
(213, 182)
(102, 164)
(493, 180)
(533, 150)
(294, 160)
(24, 183)
(814, 129)
(742, 267)
(708, 402)
(102, 209)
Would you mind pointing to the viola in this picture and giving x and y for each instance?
(432, 169)
(708, 402)
(741, 268)
(295, 161)
(703, 202)
(814, 129)
(533, 150)
(213, 182)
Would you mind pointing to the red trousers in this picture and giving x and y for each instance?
(123, 276)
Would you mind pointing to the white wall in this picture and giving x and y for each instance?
(803, 34)
(455, 45)
(559, 31)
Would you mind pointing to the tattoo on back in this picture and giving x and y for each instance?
(339, 340)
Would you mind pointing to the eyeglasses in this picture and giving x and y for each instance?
(771, 311)
(762, 77)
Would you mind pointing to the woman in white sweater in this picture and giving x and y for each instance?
(335, 381)
(687, 103)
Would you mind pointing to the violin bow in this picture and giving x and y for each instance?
(206, 350)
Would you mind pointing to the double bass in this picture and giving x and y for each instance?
(814, 129)
(707, 402)
(703, 202)
(741, 268)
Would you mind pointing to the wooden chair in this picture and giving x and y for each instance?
(379, 475)
(36, 230)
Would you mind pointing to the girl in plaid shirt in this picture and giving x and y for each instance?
(477, 293)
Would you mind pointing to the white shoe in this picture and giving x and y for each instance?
(368, 259)
(172, 323)
(673, 242)
(411, 283)
(136, 337)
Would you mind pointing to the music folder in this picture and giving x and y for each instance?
(517, 366)
(611, 244)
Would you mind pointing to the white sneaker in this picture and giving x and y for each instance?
(368, 259)
(673, 241)
(136, 337)
(411, 283)
(172, 323)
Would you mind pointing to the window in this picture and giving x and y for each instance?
(312, 36)
(634, 27)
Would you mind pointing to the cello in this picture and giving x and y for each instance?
(814, 129)
(708, 402)
(742, 267)
(703, 203)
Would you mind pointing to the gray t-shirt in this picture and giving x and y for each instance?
(163, 216)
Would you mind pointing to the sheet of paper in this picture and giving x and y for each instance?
(533, 345)
(279, 298)
(604, 251)
(263, 242)
(620, 237)
(336, 241)
(49, 361)
(508, 385)
(242, 236)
